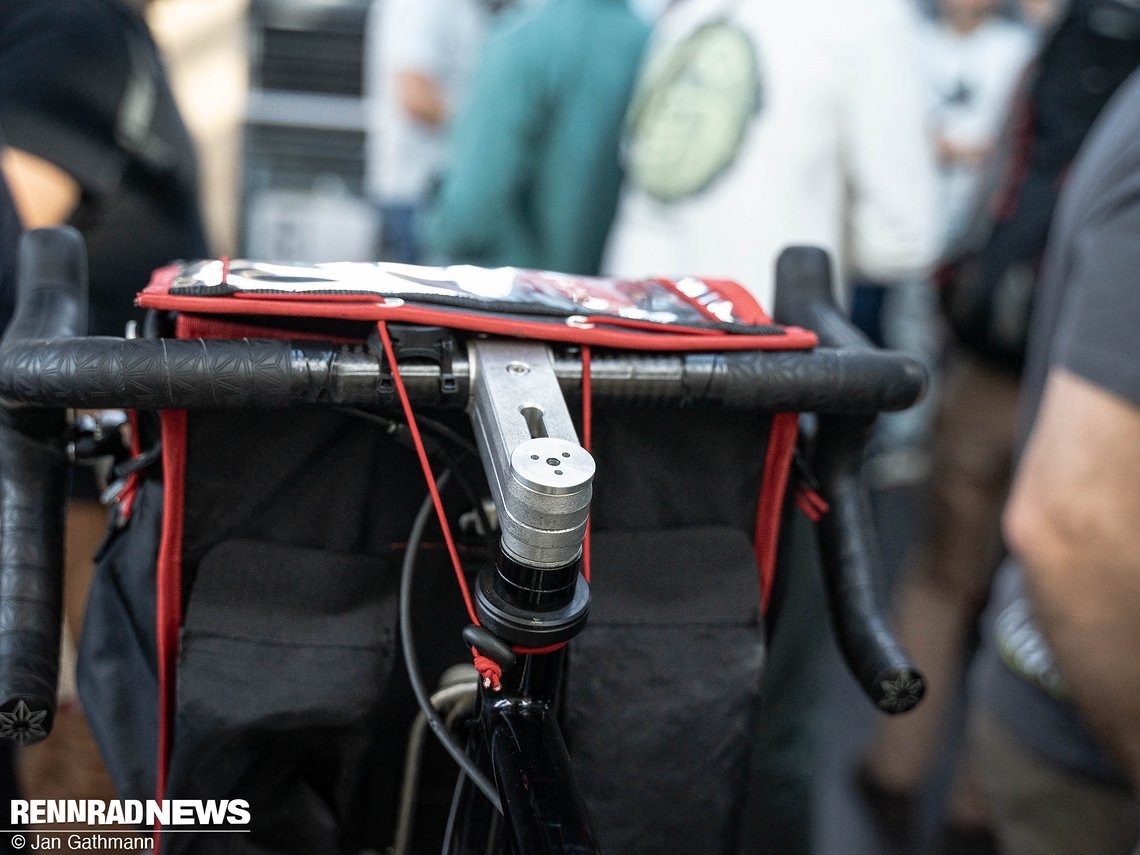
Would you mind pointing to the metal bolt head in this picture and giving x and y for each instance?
(518, 368)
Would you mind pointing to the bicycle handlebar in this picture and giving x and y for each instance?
(51, 303)
(848, 549)
(44, 368)
(271, 373)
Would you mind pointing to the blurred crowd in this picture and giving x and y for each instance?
(926, 148)
(972, 168)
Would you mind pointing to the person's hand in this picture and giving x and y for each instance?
(422, 98)
(961, 154)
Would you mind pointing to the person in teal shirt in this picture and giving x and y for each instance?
(532, 174)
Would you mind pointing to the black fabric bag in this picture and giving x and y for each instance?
(662, 690)
(290, 690)
(117, 672)
(276, 579)
(988, 278)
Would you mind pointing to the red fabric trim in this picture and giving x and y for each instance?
(168, 584)
(651, 327)
(635, 336)
(202, 326)
(1004, 202)
(777, 465)
(692, 301)
(131, 487)
(811, 504)
(127, 499)
(325, 297)
(747, 309)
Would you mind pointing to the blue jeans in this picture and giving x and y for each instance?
(398, 233)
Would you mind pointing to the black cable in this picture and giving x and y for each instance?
(438, 430)
(436, 724)
(453, 812)
(436, 427)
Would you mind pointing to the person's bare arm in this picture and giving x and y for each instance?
(1074, 520)
(44, 194)
(422, 98)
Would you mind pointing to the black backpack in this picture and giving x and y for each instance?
(987, 279)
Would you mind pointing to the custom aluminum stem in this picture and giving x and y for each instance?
(541, 482)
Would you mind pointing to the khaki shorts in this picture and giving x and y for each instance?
(1039, 808)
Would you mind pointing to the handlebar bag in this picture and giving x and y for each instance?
(242, 641)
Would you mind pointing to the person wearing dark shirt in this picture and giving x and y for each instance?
(1058, 722)
(95, 140)
(10, 229)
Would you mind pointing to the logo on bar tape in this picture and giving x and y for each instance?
(21, 725)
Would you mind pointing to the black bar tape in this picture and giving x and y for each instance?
(51, 302)
(148, 373)
(193, 374)
(848, 547)
(852, 571)
(805, 298)
(823, 381)
(33, 478)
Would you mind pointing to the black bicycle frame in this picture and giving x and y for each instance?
(518, 738)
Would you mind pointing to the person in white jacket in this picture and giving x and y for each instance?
(759, 124)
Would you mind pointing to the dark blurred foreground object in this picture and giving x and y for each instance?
(9, 236)
(988, 281)
(85, 90)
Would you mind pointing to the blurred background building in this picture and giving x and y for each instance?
(207, 54)
(272, 92)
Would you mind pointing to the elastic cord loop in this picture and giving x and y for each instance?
(425, 465)
(490, 670)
